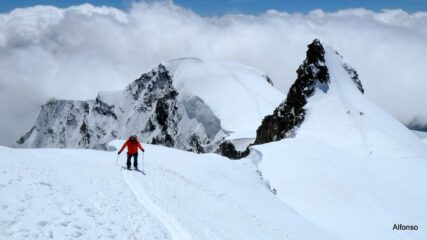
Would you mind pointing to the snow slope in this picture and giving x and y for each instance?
(71, 193)
(239, 95)
(351, 168)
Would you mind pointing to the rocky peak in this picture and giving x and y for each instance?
(312, 74)
(149, 106)
(157, 78)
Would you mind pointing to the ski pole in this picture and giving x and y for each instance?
(117, 159)
(143, 169)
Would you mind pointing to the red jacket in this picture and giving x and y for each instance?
(132, 147)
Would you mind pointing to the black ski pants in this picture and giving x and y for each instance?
(135, 160)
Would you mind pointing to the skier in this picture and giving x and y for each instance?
(132, 144)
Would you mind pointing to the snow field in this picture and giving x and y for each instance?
(68, 194)
(82, 194)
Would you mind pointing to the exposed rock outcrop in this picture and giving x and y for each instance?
(312, 74)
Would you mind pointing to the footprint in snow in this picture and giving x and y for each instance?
(48, 185)
(49, 234)
(66, 210)
(77, 227)
(42, 223)
(76, 234)
(64, 224)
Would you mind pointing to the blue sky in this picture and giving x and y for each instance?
(219, 7)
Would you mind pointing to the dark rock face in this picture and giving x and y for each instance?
(354, 76)
(288, 116)
(22, 139)
(149, 87)
(85, 135)
(417, 124)
(268, 79)
(103, 109)
(167, 117)
(227, 149)
(195, 144)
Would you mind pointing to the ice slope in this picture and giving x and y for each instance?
(352, 168)
(239, 95)
(72, 193)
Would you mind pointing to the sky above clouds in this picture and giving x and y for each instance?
(220, 7)
(74, 52)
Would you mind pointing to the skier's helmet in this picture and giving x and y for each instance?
(132, 137)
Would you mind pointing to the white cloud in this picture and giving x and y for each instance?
(73, 53)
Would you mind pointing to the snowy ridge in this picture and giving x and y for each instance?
(75, 193)
(187, 104)
(350, 167)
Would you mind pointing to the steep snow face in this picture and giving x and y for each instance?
(350, 167)
(188, 104)
(240, 96)
(344, 111)
(75, 193)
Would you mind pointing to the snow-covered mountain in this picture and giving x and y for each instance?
(187, 103)
(313, 76)
(82, 194)
(338, 159)
(327, 162)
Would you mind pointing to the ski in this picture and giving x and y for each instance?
(137, 170)
(133, 169)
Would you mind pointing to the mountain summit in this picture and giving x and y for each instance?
(340, 160)
(313, 75)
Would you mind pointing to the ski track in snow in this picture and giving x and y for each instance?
(83, 194)
(176, 231)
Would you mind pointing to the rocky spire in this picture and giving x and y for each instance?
(312, 74)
